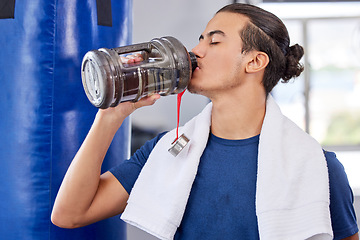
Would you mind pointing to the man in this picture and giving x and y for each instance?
(242, 54)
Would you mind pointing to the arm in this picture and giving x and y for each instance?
(353, 237)
(85, 196)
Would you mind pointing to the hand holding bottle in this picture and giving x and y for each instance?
(117, 114)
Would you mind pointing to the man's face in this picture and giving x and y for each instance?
(220, 60)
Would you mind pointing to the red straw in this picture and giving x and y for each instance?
(179, 96)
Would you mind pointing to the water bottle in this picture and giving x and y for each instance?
(166, 69)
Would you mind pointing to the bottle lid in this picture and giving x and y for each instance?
(178, 145)
(193, 61)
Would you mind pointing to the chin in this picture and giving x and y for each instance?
(197, 90)
(194, 85)
(192, 88)
(199, 86)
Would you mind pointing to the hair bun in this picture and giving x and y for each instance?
(293, 66)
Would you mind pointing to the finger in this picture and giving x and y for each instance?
(146, 101)
(138, 59)
(131, 60)
(124, 60)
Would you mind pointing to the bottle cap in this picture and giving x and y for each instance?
(178, 145)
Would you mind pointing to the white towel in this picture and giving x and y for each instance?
(292, 195)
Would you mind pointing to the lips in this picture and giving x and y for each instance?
(198, 65)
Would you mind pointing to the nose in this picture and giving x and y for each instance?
(199, 51)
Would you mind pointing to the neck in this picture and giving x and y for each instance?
(238, 117)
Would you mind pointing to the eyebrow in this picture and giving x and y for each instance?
(211, 33)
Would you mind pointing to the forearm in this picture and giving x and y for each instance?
(84, 196)
(81, 181)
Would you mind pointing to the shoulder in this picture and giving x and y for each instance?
(337, 176)
(341, 199)
(143, 153)
(128, 171)
(337, 173)
(332, 161)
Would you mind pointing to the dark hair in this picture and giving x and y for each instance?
(267, 33)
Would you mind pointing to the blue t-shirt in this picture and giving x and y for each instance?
(221, 204)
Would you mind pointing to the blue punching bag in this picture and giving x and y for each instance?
(45, 114)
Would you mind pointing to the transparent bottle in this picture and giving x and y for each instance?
(166, 69)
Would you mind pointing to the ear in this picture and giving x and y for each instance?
(257, 62)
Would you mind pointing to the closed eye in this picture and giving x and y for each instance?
(211, 34)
